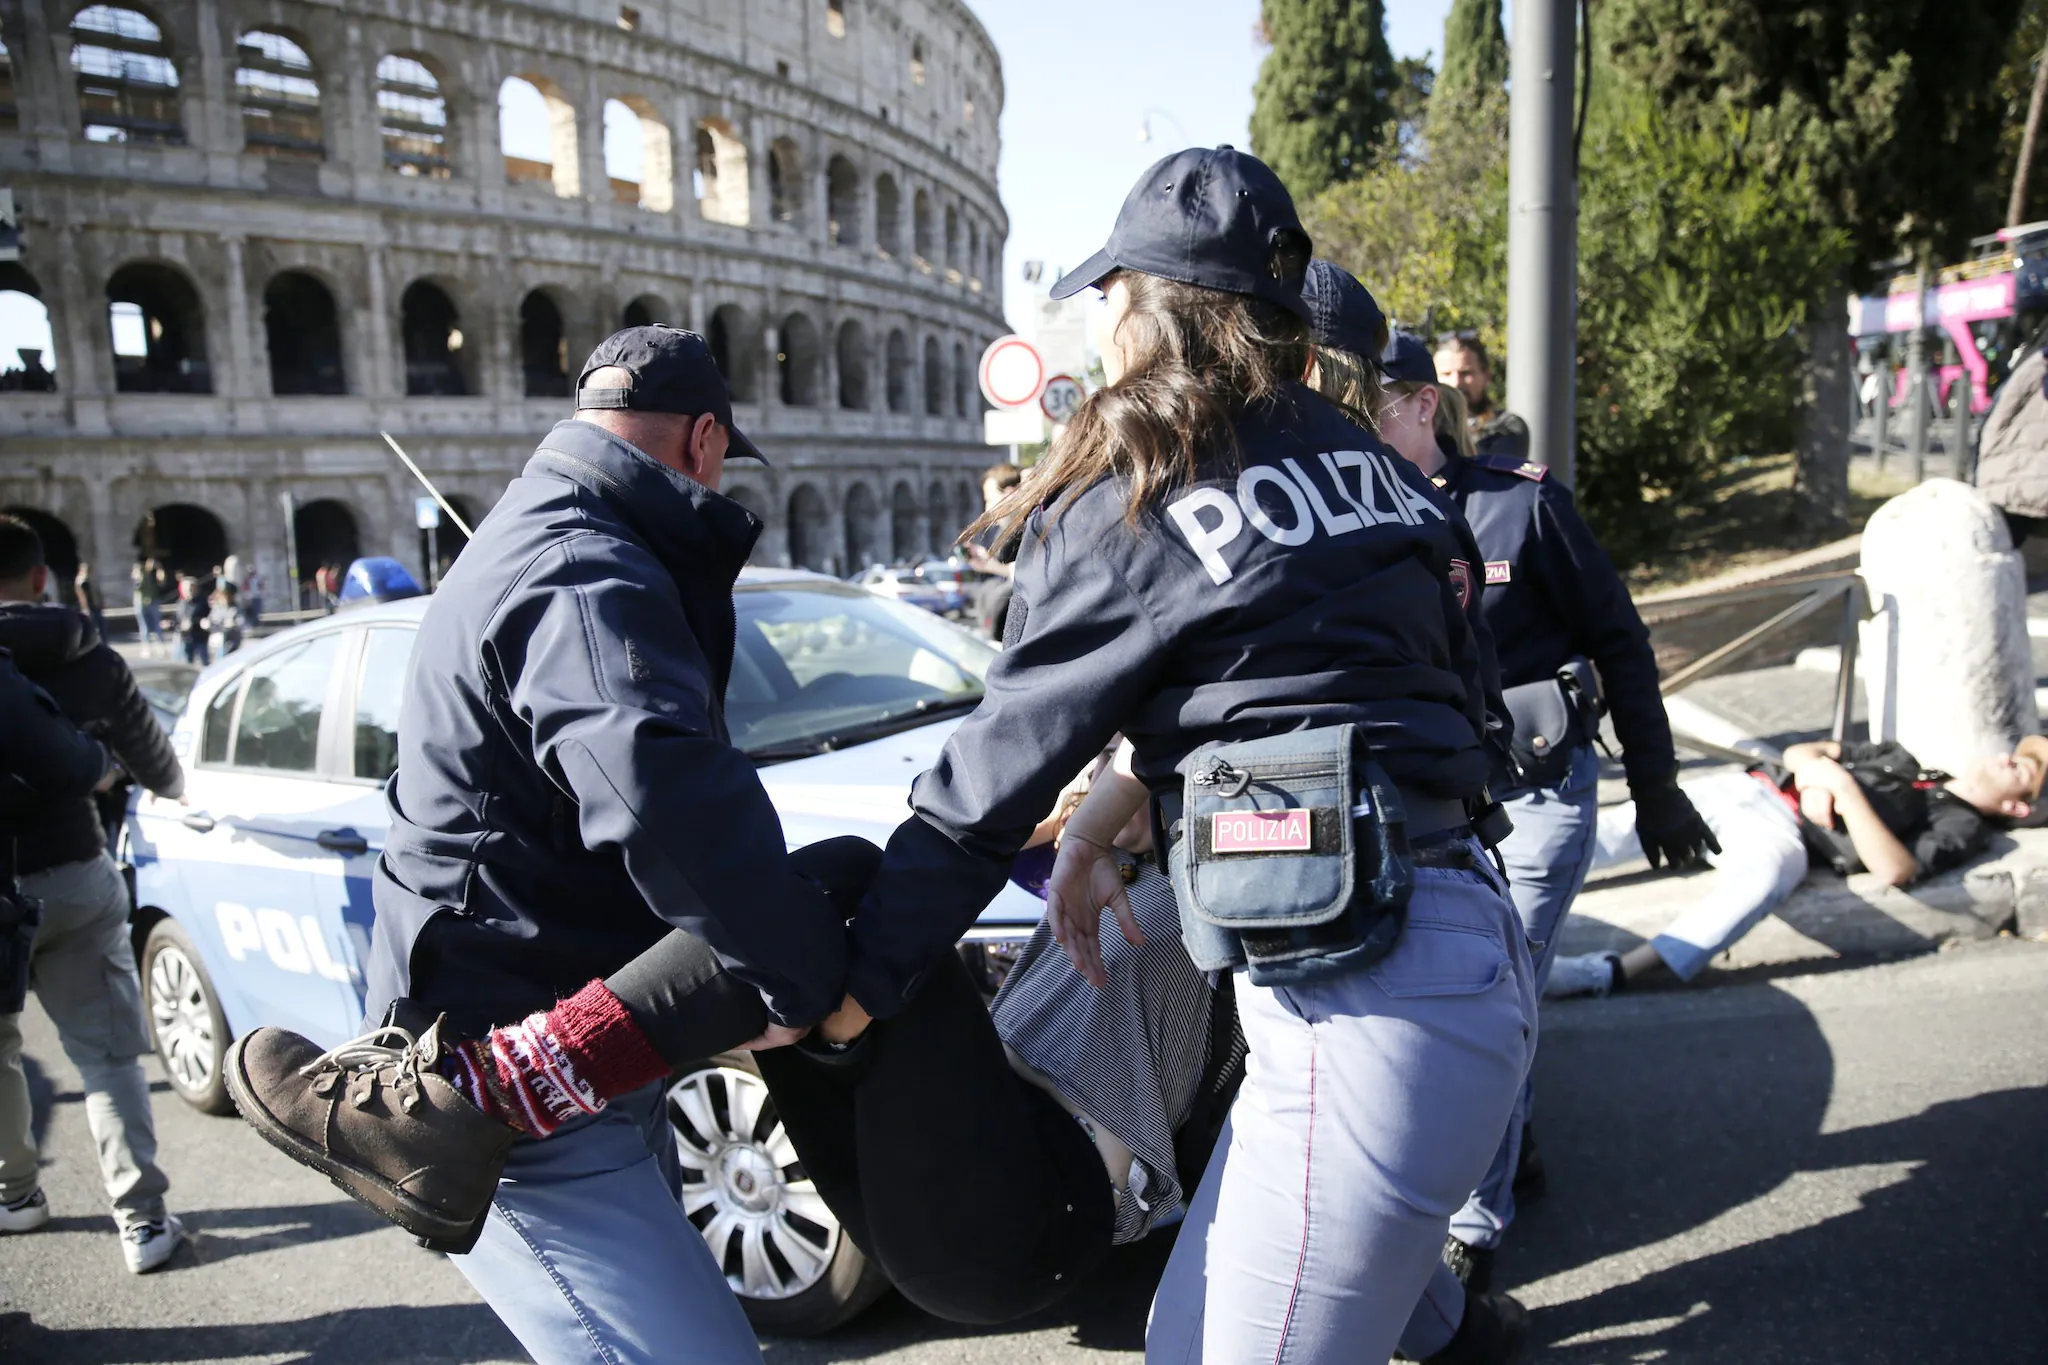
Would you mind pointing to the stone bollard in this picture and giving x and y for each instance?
(1947, 664)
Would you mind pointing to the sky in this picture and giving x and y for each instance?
(1073, 109)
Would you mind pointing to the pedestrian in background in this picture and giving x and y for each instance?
(1462, 364)
(87, 594)
(1558, 612)
(992, 594)
(224, 621)
(144, 583)
(192, 620)
(82, 965)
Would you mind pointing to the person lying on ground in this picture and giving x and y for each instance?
(1848, 807)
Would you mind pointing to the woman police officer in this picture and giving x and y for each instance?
(1215, 554)
(1552, 601)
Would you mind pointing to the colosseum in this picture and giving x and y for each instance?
(263, 231)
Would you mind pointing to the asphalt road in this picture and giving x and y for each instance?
(1842, 1166)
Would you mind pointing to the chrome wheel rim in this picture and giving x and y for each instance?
(183, 1020)
(744, 1188)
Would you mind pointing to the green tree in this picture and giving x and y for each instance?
(1475, 61)
(1325, 93)
(1884, 114)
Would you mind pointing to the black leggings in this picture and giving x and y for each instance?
(977, 1194)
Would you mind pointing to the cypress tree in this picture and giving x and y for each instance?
(1325, 92)
(1475, 51)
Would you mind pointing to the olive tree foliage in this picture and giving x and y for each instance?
(1326, 92)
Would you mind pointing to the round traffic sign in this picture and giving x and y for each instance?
(1062, 398)
(1012, 372)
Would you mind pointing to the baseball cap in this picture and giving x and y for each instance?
(1213, 217)
(672, 372)
(1407, 360)
(1342, 313)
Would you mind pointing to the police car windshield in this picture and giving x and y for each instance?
(818, 666)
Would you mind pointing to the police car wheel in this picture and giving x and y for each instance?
(185, 1022)
(792, 1267)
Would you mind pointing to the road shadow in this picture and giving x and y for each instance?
(449, 1334)
(1107, 1313)
(1909, 1241)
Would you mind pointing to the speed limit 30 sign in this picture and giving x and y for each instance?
(1061, 399)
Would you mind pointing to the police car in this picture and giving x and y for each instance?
(253, 894)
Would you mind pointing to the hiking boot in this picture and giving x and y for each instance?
(377, 1118)
(25, 1214)
(1494, 1331)
(146, 1246)
(1472, 1265)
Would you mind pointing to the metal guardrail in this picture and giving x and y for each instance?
(1815, 594)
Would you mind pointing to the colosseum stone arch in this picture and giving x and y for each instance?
(263, 230)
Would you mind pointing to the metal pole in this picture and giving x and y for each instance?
(1542, 227)
(1959, 396)
(1881, 420)
(291, 546)
(1916, 390)
(1845, 675)
(433, 558)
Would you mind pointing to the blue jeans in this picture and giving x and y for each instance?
(1547, 858)
(587, 1256)
(1371, 1104)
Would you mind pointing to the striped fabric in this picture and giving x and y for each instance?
(1130, 1056)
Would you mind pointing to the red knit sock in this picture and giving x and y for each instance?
(557, 1064)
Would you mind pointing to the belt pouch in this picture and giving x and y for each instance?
(1273, 867)
(1553, 717)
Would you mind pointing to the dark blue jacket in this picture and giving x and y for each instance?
(1553, 595)
(1316, 580)
(565, 790)
(45, 760)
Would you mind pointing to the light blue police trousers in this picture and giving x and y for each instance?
(588, 1258)
(1371, 1105)
(1547, 859)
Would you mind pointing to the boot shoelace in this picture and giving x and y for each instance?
(364, 1061)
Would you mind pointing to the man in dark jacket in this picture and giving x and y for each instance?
(82, 964)
(566, 794)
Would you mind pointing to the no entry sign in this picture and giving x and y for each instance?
(1012, 372)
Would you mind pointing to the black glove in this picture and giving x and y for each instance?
(1668, 827)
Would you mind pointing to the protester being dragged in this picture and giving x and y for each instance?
(1462, 364)
(1565, 632)
(83, 963)
(1845, 807)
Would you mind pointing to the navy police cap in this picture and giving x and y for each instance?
(1407, 360)
(671, 371)
(1213, 217)
(1342, 313)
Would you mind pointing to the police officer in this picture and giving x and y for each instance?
(1214, 553)
(565, 795)
(1553, 602)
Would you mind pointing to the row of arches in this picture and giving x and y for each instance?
(865, 530)
(157, 331)
(127, 81)
(187, 540)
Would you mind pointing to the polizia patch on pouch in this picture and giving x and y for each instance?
(1260, 831)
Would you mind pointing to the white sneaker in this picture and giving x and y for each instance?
(25, 1214)
(1586, 974)
(146, 1246)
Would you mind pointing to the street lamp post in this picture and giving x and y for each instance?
(1543, 230)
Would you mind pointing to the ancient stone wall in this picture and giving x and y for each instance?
(265, 230)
